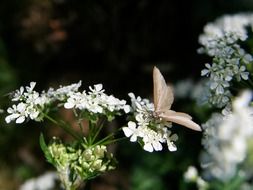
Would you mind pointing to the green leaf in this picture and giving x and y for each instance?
(44, 148)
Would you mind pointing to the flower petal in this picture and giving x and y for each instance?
(148, 147)
(128, 132)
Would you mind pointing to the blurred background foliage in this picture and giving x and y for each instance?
(116, 43)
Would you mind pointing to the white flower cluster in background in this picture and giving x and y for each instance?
(227, 24)
(221, 40)
(226, 139)
(33, 105)
(46, 181)
(144, 127)
(189, 89)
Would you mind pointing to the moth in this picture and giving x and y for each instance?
(163, 99)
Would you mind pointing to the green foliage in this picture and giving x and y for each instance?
(45, 149)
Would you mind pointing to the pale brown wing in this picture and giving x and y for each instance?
(171, 112)
(180, 118)
(163, 95)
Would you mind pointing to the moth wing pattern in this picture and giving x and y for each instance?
(162, 93)
(171, 112)
(181, 119)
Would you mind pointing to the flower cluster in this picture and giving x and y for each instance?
(226, 139)
(221, 40)
(33, 105)
(86, 156)
(147, 129)
(77, 163)
(29, 106)
(63, 92)
(227, 24)
(96, 101)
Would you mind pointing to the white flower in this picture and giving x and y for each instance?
(32, 98)
(98, 88)
(92, 104)
(207, 70)
(141, 104)
(227, 136)
(34, 103)
(64, 91)
(142, 119)
(17, 113)
(96, 101)
(221, 40)
(75, 100)
(243, 101)
(30, 105)
(131, 131)
(202, 184)
(30, 88)
(127, 108)
(146, 128)
(170, 141)
(191, 174)
(18, 94)
(152, 140)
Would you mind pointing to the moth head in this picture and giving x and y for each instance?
(156, 116)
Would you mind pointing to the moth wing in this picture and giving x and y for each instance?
(163, 95)
(171, 112)
(181, 119)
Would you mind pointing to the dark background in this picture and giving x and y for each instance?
(113, 42)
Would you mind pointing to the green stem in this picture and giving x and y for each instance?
(69, 130)
(65, 127)
(106, 139)
(90, 133)
(117, 140)
(100, 126)
(79, 120)
(80, 125)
